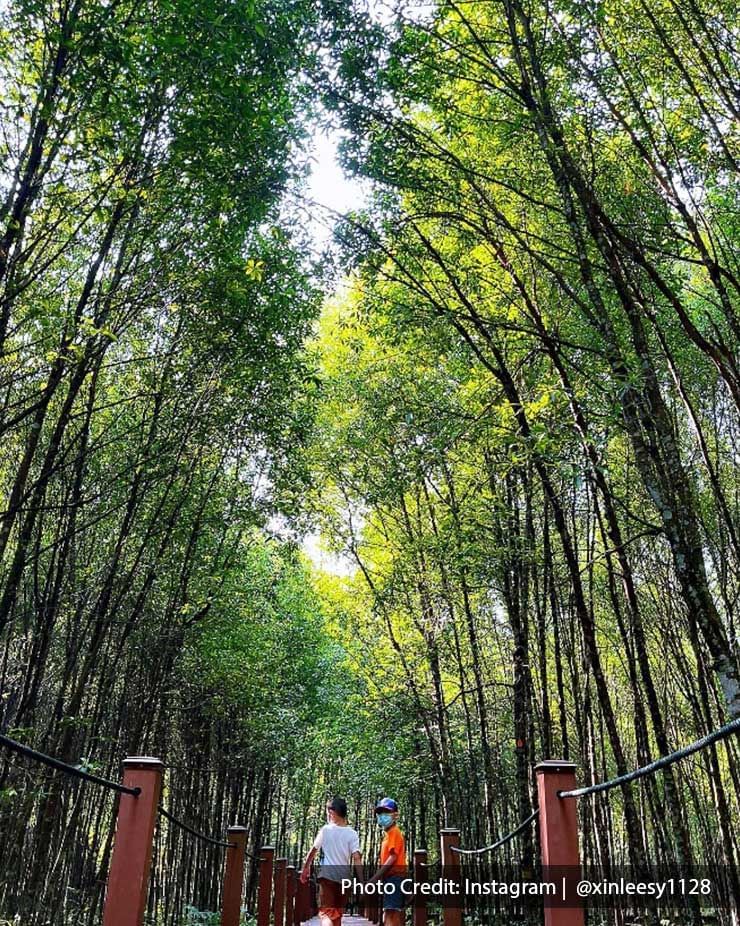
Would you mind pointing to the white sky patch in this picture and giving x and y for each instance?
(324, 559)
(329, 187)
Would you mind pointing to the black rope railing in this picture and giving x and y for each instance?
(663, 762)
(499, 842)
(64, 767)
(188, 829)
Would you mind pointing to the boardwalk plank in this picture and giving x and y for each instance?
(346, 921)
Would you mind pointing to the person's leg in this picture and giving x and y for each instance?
(393, 903)
(329, 903)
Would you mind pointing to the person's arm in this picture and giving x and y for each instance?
(357, 862)
(387, 864)
(306, 870)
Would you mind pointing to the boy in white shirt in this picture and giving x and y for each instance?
(340, 849)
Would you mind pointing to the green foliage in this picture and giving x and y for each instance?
(265, 624)
(518, 421)
(195, 917)
(527, 399)
(155, 296)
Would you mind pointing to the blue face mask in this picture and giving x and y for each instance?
(385, 820)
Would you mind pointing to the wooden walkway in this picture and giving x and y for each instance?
(346, 921)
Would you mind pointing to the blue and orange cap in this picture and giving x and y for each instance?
(387, 804)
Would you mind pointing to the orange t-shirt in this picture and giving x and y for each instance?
(393, 839)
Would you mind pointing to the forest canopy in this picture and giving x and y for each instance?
(506, 397)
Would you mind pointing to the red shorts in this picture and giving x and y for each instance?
(332, 900)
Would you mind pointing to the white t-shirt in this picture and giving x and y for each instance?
(337, 844)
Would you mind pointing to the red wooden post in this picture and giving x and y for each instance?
(559, 834)
(291, 878)
(302, 909)
(281, 865)
(264, 891)
(231, 907)
(128, 879)
(452, 909)
(420, 875)
(367, 909)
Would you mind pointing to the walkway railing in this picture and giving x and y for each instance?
(281, 899)
(558, 823)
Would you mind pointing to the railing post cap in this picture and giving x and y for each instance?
(450, 830)
(420, 852)
(268, 848)
(143, 762)
(555, 765)
(281, 859)
(291, 867)
(236, 830)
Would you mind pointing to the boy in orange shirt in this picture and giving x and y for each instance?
(393, 868)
